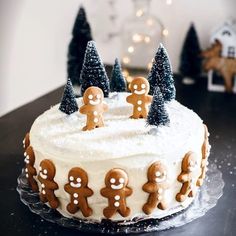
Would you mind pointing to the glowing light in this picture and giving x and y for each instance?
(125, 73)
(147, 39)
(137, 38)
(149, 66)
(165, 32)
(130, 49)
(139, 13)
(168, 2)
(126, 60)
(150, 22)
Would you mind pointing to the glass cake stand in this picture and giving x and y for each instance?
(206, 199)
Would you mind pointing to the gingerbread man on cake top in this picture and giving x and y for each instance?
(116, 191)
(93, 107)
(156, 186)
(79, 191)
(205, 154)
(139, 98)
(46, 176)
(30, 171)
(186, 177)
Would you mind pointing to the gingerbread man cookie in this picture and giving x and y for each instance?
(79, 191)
(46, 176)
(156, 186)
(139, 98)
(30, 171)
(204, 161)
(116, 191)
(93, 107)
(26, 141)
(186, 177)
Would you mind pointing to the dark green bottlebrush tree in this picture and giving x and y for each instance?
(190, 60)
(117, 83)
(157, 114)
(81, 34)
(68, 102)
(93, 71)
(161, 75)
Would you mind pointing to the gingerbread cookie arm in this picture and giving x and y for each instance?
(129, 98)
(105, 192)
(68, 189)
(128, 191)
(83, 109)
(105, 107)
(88, 192)
(148, 99)
(52, 185)
(183, 178)
(150, 187)
(32, 170)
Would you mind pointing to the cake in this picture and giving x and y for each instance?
(123, 164)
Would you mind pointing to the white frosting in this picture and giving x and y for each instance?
(123, 143)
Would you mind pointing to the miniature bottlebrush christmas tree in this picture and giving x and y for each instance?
(161, 75)
(190, 61)
(117, 83)
(157, 114)
(93, 72)
(81, 34)
(68, 103)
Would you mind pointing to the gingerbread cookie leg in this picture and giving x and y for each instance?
(162, 205)
(109, 211)
(85, 209)
(52, 200)
(33, 184)
(72, 208)
(43, 198)
(124, 210)
(182, 195)
(151, 204)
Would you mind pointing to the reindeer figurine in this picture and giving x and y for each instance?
(225, 66)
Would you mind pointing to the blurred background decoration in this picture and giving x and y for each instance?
(35, 36)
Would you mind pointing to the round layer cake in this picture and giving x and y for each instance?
(128, 144)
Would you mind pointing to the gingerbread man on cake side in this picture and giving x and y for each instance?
(139, 98)
(30, 171)
(79, 191)
(116, 191)
(187, 176)
(156, 186)
(26, 141)
(46, 176)
(205, 154)
(93, 107)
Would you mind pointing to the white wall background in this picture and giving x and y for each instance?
(35, 35)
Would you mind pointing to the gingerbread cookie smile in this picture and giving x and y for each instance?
(73, 180)
(43, 173)
(160, 177)
(120, 185)
(96, 101)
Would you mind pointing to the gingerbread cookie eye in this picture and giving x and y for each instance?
(78, 180)
(121, 180)
(99, 96)
(143, 86)
(90, 96)
(45, 171)
(112, 180)
(135, 86)
(40, 168)
(71, 178)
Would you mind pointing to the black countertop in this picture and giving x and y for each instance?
(216, 109)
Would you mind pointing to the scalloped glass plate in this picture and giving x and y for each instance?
(207, 198)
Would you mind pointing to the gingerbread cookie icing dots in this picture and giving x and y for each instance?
(155, 187)
(139, 98)
(116, 191)
(79, 191)
(26, 141)
(186, 177)
(46, 176)
(93, 107)
(30, 171)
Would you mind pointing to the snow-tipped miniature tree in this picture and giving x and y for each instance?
(153, 77)
(190, 60)
(68, 102)
(161, 75)
(117, 83)
(93, 71)
(157, 114)
(81, 34)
